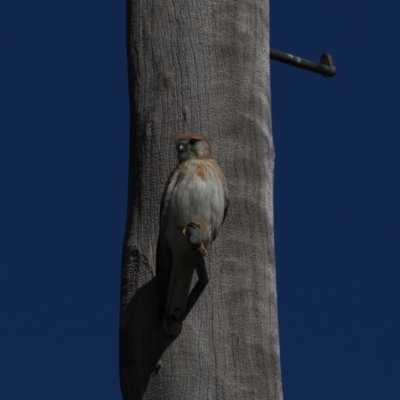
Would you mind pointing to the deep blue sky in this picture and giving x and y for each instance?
(64, 154)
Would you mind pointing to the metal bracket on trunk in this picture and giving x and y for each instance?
(325, 66)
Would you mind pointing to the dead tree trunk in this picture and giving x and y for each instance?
(201, 66)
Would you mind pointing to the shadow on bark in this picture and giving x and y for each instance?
(143, 339)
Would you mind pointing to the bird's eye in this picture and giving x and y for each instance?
(192, 142)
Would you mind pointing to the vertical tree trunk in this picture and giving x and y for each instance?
(201, 66)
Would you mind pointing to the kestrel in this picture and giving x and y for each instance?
(193, 208)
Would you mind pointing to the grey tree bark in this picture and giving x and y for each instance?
(201, 66)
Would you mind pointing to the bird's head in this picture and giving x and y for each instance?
(192, 146)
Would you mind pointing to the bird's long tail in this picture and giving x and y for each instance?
(178, 292)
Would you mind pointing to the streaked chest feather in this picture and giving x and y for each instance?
(199, 192)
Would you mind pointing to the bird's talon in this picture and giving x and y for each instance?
(202, 250)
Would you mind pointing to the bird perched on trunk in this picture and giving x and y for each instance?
(193, 208)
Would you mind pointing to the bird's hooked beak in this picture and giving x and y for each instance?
(183, 152)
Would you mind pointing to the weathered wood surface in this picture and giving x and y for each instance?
(201, 66)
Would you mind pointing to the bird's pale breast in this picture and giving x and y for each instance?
(198, 197)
